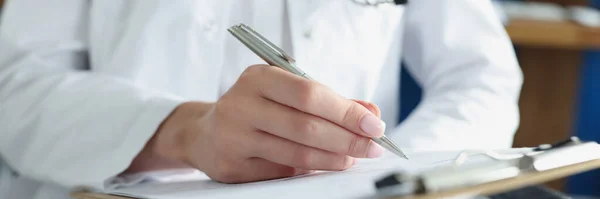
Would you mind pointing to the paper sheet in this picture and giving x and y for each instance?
(356, 182)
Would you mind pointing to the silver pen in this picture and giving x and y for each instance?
(274, 56)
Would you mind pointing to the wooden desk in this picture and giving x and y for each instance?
(556, 35)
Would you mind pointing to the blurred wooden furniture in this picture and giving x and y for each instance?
(555, 35)
(550, 55)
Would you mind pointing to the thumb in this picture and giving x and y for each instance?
(372, 107)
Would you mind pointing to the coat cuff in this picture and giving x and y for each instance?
(157, 110)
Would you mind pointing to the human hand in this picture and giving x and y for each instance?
(270, 124)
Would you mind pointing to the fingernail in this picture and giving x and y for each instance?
(375, 151)
(372, 125)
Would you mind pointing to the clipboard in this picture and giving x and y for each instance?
(527, 175)
(502, 174)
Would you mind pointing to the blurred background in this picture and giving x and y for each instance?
(558, 47)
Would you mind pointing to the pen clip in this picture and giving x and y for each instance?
(259, 38)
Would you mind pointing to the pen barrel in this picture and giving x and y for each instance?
(290, 67)
(256, 44)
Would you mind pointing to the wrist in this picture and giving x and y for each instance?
(166, 148)
(173, 134)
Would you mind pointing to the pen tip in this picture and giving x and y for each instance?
(391, 146)
(401, 154)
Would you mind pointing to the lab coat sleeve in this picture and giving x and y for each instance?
(460, 54)
(60, 121)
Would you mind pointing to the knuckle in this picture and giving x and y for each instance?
(351, 149)
(357, 146)
(343, 162)
(256, 69)
(229, 108)
(352, 114)
(303, 158)
(227, 174)
(307, 126)
(252, 72)
(308, 93)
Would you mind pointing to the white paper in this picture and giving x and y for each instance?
(356, 182)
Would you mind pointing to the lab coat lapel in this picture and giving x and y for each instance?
(299, 19)
(325, 51)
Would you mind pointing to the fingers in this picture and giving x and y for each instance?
(312, 131)
(257, 169)
(285, 152)
(262, 169)
(308, 96)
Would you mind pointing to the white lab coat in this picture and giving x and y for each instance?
(83, 84)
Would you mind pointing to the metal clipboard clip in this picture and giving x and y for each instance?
(500, 166)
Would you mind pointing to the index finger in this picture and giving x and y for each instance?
(311, 97)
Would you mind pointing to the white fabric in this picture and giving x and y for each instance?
(84, 84)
